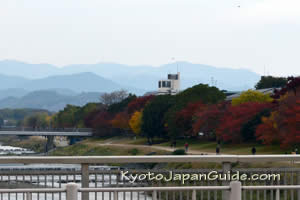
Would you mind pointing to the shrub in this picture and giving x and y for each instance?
(134, 151)
(179, 152)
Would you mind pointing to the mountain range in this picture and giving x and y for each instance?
(48, 100)
(18, 79)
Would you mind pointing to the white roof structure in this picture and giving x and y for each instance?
(264, 91)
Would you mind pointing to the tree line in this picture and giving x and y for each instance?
(201, 112)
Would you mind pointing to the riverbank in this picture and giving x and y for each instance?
(137, 146)
(121, 146)
(33, 143)
(128, 146)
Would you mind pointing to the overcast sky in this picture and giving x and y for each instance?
(253, 34)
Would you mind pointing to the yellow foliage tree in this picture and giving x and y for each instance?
(135, 122)
(251, 96)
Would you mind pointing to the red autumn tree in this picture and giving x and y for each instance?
(208, 119)
(235, 117)
(292, 85)
(101, 123)
(184, 118)
(138, 103)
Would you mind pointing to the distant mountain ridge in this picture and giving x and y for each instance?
(49, 100)
(85, 81)
(139, 77)
(45, 86)
(64, 84)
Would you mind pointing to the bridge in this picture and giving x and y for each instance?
(94, 181)
(48, 133)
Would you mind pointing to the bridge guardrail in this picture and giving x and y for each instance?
(96, 178)
(72, 190)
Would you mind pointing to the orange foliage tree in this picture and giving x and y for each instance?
(121, 121)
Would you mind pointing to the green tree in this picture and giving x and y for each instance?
(66, 118)
(39, 120)
(271, 82)
(83, 112)
(153, 123)
(251, 96)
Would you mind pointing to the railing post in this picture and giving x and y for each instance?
(226, 168)
(154, 195)
(235, 190)
(194, 196)
(85, 180)
(72, 191)
(298, 182)
(28, 196)
(115, 195)
(277, 194)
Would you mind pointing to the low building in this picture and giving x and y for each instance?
(170, 85)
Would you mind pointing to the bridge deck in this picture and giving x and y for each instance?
(46, 133)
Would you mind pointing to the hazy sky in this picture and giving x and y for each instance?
(225, 33)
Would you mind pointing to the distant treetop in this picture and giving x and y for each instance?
(271, 82)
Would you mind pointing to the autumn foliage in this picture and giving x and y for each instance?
(184, 118)
(283, 126)
(138, 103)
(251, 96)
(252, 116)
(208, 119)
(121, 121)
(235, 117)
(135, 122)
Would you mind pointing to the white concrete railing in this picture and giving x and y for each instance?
(72, 190)
(85, 161)
(148, 159)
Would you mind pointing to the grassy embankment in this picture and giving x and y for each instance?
(97, 146)
(92, 148)
(199, 146)
(128, 146)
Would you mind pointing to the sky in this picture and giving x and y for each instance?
(260, 35)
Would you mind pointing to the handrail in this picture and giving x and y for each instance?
(271, 187)
(72, 190)
(34, 190)
(139, 189)
(147, 159)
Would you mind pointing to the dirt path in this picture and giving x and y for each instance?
(169, 149)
